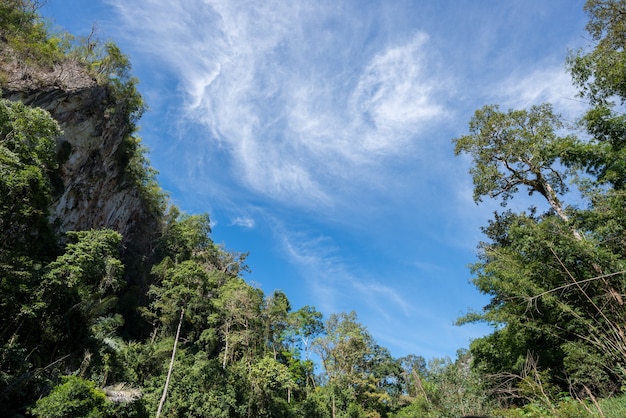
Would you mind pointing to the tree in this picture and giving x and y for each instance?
(456, 389)
(80, 285)
(69, 301)
(275, 316)
(344, 347)
(27, 159)
(546, 296)
(358, 371)
(270, 384)
(169, 371)
(239, 308)
(556, 282)
(190, 273)
(515, 149)
(231, 350)
(549, 296)
(23, 30)
(183, 235)
(183, 285)
(305, 324)
(600, 75)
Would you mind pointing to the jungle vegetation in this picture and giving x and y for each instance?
(195, 339)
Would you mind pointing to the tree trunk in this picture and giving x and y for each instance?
(169, 372)
(546, 190)
(225, 359)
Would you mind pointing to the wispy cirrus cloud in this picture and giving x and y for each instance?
(299, 117)
(244, 222)
(393, 98)
(543, 84)
(333, 282)
(336, 118)
(393, 309)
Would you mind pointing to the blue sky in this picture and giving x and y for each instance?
(318, 136)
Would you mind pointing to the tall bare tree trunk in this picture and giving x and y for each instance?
(169, 372)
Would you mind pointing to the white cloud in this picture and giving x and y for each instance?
(551, 84)
(244, 222)
(334, 284)
(348, 112)
(393, 96)
(272, 83)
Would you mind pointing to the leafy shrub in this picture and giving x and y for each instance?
(27, 34)
(74, 397)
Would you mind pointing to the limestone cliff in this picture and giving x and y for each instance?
(94, 190)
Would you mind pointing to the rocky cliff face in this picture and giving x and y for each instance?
(94, 190)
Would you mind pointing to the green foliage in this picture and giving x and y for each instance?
(614, 407)
(74, 397)
(184, 235)
(84, 279)
(304, 325)
(566, 408)
(89, 263)
(418, 408)
(64, 313)
(514, 149)
(199, 388)
(241, 329)
(358, 371)
(345, 347)
(601, 73)
(276, 321)
(270, 383)
(586, 366)
(556, 279)
(27, 138)
(454, 389)
(186, 284)
(546, 299)
(26, 34)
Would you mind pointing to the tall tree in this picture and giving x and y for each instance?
(600, 74)
(239, 307)
(27, 138)
(305, 324)
(275, 317)
(518, 148)
(557, 297)
(361, 375)
(27, 160)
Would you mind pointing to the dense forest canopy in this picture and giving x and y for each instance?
(92, 327)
